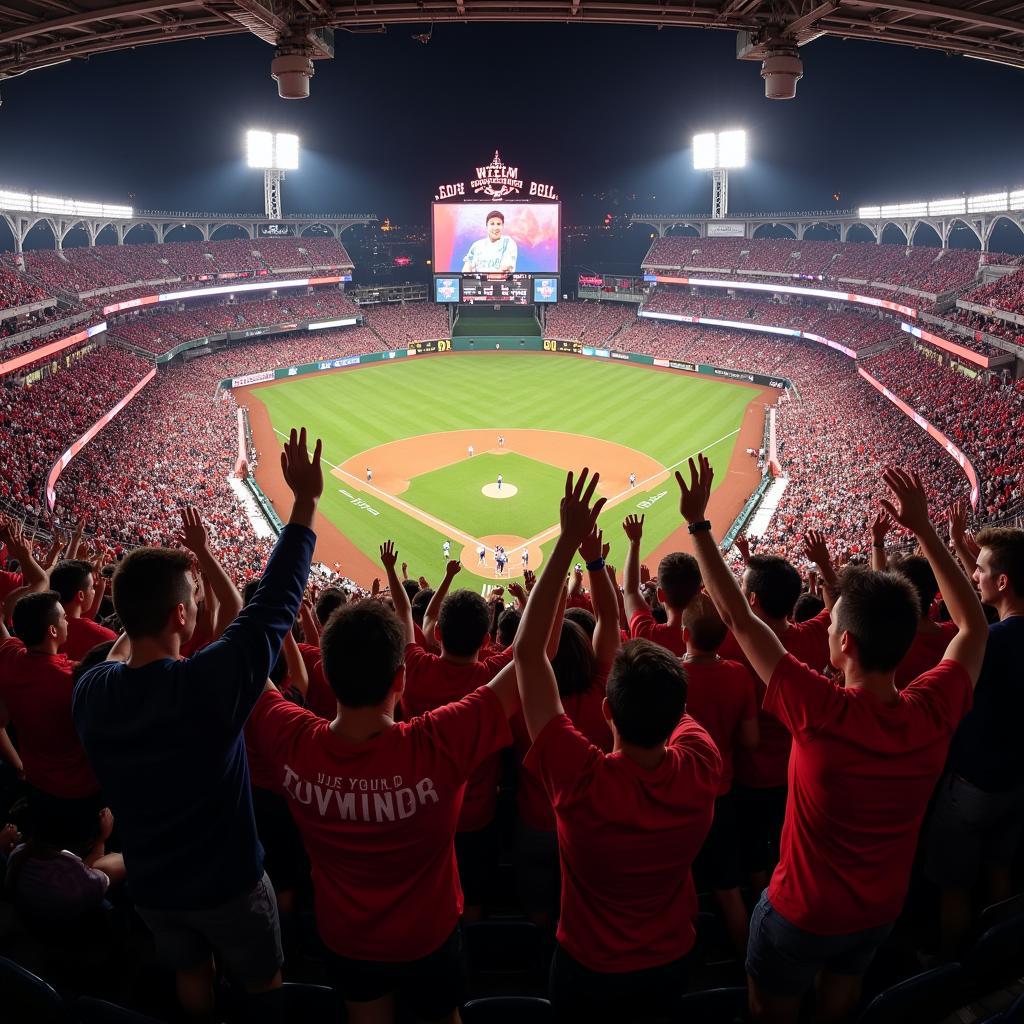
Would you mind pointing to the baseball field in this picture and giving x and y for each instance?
(397, 439)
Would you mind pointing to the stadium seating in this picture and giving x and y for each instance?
(397, 325)
(1006, 293)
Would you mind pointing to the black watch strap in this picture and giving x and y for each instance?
(703, 524)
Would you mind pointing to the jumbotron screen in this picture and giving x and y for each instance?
(496, 238)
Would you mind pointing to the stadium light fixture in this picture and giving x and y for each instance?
(718, 152)
(995, 202)
(273, 153)
(31, 203)
(1017, 199)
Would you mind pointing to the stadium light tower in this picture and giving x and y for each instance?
(718, 152)
(273, 153)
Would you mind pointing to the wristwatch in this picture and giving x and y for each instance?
(703, 524)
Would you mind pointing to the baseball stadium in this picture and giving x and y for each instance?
(518, 602)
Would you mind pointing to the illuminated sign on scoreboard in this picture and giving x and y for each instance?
(495, 180)
(503, 288)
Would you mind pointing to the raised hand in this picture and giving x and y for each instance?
(956, 516)
(693, 499)
(529, 579)
(496, 594)
(576, 513)
(645, 574)
(743, 547)
(388, 554)
(422, 581)
(815, 548)
(516, 590)
(452, 568)
(193, 532)
(375, 587)
(912, 513)
(881, 525)
(633, 527)
(303, 474)
(592, 546)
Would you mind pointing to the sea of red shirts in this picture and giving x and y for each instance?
(628, 901)
(643, 626)
(860, 778)
(83, 636)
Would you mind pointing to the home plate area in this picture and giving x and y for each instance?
(504, 491)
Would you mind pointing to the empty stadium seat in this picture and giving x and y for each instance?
(997, 957)
(929, 996)
(507, 1010)
(28, 999)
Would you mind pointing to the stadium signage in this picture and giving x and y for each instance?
(620, 355)
(727, 230)
(252, 378)
(337, 364)
(591, 281)
(273, 230)
(496, 180)
(648, 502)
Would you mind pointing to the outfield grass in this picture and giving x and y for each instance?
(668, 416)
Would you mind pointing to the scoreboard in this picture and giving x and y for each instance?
(504, 289)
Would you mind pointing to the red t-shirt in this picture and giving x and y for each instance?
(766, 765)
(378, 818)
(927, 650)
(9, 581)
(643, 627)
(83, 636)
(860, 778)
(584, 711)
(320, 697)
(36, 689)
(720, 695)
(431, 682)
(627, 836)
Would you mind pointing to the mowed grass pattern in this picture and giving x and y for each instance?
(454, 495)
(669, 416)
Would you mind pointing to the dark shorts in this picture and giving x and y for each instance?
(431, 986)
(244, 934)
(477, 854)
(718, 863)
(538, 872)
(784, 959)
(759, 817)
(279, 836)
(580, 994)
(968, 828)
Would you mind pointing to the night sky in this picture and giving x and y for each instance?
(604, 110)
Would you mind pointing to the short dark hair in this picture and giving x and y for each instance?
(69, 577)
(646, 692)
(508, 625)
(33, 615)
(707, 630)
(420, 603)
(463, 623)
(93, 657)
(776, 583)
(328, 603)
(679, 579)
(412, 588)
(1007, 547)
(880, 611)
(495, 213)
(363, 647)
(918, 572)
(148, 585)
(807, 606)
(584, 619)
(573, 663)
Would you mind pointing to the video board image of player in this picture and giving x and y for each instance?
(498, 238)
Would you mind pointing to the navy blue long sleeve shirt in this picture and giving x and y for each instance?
(166, 742)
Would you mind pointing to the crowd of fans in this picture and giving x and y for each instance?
(1006, 293)
(104, 266)
(926, 269)
(398, 324)
(987, 325)
(596, 323)
(983, 420)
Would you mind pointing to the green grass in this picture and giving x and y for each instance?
(454, 494)
(666, 415)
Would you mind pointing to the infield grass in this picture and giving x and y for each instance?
(668, 416)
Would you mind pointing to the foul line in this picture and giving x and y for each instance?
(537, 539)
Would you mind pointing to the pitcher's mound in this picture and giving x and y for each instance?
(494, 491)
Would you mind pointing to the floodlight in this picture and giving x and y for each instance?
(286, 155)
(260, 149)
(946, 207)
(732, 149)
(705, 152)
(995, 202)
(1017, 199)
(869, 212)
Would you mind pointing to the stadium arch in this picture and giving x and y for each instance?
(791, 226)
(926, 226)
(1014, 222)
(951, 226)
(831, 231)
(212, 229)
(846, 229)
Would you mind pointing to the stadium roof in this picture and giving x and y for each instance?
(38, 33)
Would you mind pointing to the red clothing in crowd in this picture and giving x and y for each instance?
(83, 636)
(36, 690)
(627, 836)
(860, 778)
(766, 765)
(431, 681)
(584, 711)
(378, 818)
(320, 697)
(10, 581)
(927, 650)
(721, 695)
(643, 627)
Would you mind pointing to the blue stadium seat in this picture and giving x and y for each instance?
(99, 1011)
(926, 997)
(714, 1006)
(27, 999)
(508, 1010)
